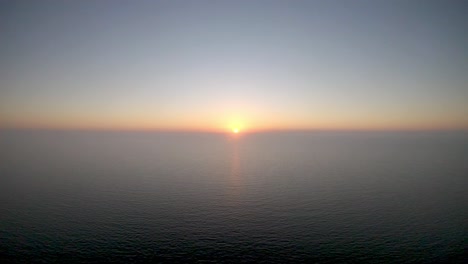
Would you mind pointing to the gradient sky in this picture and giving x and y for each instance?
(213, 65)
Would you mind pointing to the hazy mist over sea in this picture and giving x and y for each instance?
(284, 197)
(234, 131)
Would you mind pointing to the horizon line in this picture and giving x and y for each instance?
(219, 131)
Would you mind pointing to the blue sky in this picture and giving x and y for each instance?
(218, 64)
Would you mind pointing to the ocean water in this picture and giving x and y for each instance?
(325, 197)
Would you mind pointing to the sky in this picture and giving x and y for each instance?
(219, 65)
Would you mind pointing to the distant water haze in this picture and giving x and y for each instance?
(328, 197)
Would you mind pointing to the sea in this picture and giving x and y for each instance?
(276, 197)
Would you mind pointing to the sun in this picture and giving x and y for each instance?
(235, 130)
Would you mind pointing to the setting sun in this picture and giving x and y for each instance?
(235, 130)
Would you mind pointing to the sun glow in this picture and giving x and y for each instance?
(235, 130)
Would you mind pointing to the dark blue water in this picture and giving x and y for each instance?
(267, 198)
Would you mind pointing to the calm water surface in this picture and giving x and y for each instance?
(266, 198)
